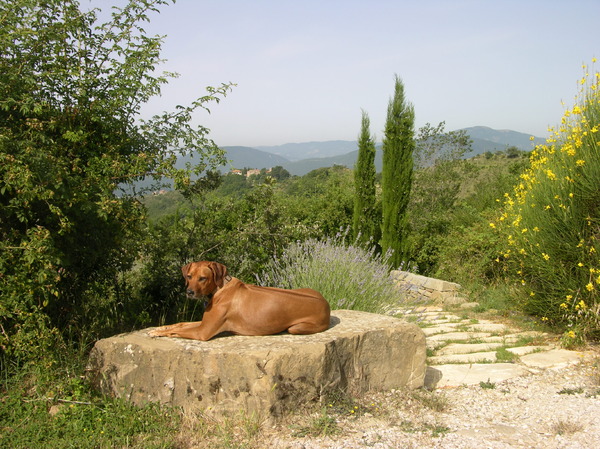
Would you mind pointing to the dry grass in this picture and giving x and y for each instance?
(566, 427)
(240, 431)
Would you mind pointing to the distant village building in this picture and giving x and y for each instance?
(249, 171)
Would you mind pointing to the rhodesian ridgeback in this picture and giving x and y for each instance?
(246, 309)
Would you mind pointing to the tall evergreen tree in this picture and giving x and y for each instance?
(364, 220)
(398, 147)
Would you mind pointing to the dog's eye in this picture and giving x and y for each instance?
(201, 279)
(189, 276)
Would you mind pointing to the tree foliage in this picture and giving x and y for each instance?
(365, 220)
(440, 171)
(398, 148)
(71, 136)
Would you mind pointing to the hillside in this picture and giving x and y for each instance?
(301, 158)
(311, 150)
(247, 157)
(304, 157)
(487, 139)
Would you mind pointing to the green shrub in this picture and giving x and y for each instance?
(71, 137)
(468, 254)
(348, 276)
(551, 222)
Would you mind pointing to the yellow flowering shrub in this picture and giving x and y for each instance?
(558, 197)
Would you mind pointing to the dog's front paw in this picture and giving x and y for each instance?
(162, 331)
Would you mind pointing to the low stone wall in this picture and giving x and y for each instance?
(269, 375)
(422, 288)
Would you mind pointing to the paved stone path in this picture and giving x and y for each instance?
(466, 351)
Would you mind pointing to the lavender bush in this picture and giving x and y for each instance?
(348, 276)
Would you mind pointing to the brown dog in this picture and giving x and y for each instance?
(246, 309)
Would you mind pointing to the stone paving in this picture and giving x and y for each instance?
(466, 351)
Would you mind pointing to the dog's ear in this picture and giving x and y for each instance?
(219, 272)
(186, 269)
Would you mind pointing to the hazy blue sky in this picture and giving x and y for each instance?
(304, 69)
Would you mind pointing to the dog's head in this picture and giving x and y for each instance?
(203, 278)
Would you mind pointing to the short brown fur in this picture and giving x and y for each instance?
(246, 309)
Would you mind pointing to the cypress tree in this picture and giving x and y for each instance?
(364, 220)
(398, 147)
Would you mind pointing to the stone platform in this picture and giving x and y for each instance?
(269, 375)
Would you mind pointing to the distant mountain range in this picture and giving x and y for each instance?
(310, 150)
(300, 158)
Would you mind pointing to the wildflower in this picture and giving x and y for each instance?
(531, 293)
(571, 334)
(536, 229)
(493, 225)
(571, 195)
(545, 256)
(582, 304)
(563, 306)
(589, 287)
(580, 162)
(569, 297)
(544, 318)
(580, 264)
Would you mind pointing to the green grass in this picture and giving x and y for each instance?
(571, 391)
(503, 355)
(104, 423)
(321, 425)
(487, 385)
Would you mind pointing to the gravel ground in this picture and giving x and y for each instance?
(553, 408)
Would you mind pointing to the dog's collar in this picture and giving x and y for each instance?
(226, 280)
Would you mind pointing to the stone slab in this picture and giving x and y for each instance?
(440, 329)
(457, 375)
(269, 375)
(524, 350)
(466, 348)
(494, 328)
(473, 357)
(458, 336)
(552, 359)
